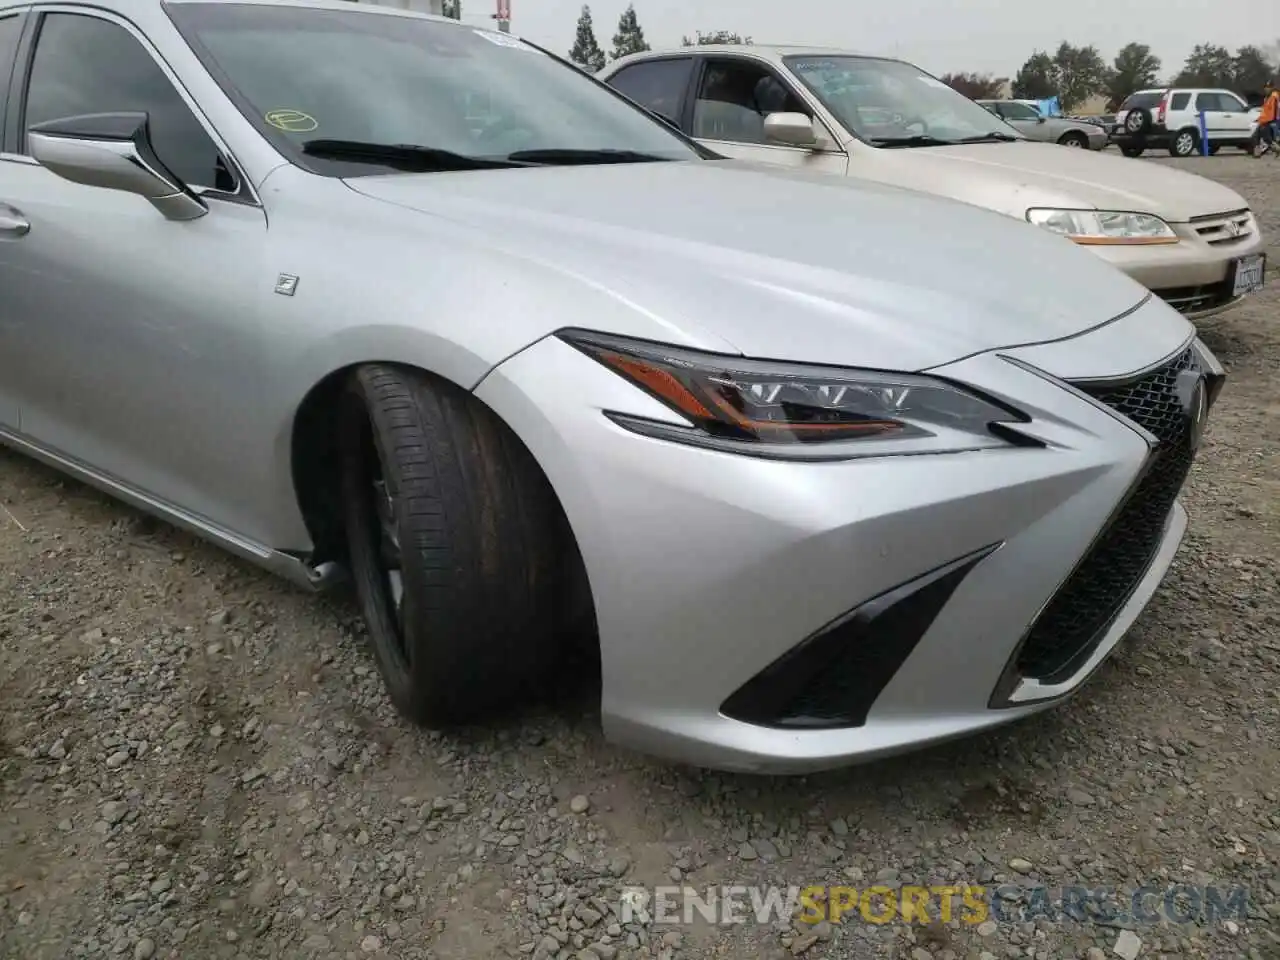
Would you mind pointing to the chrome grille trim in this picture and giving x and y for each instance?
(1225, 229)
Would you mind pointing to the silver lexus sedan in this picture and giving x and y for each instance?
(818, 469)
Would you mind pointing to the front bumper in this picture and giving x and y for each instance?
(1194, 276)
(706, 568)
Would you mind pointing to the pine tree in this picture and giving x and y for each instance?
(586, 52)
(629, 38)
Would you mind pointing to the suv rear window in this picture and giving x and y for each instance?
(1136, 100)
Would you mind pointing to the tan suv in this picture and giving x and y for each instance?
(1190, 240)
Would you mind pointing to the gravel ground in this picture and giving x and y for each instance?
(198, 761)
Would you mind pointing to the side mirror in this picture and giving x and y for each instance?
(791, 129)
(113, 151)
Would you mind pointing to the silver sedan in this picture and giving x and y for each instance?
(815, 470)
(1034, 125)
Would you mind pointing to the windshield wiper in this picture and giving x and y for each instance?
(559, 156)
(409, 157)
(915, 140)
(994, 135)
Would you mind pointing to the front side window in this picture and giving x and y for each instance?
(337, 91)
(1019, 111)
(85, 65)
(734, 97)
(1231, 103)
(656, 85)
(892, 103)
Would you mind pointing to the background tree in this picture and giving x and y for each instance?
(1272, 53)
(629, 38)
(1252, 69)
(1081, 73)
(586, 52)
(452, 8)
(715, 36)
(1135, 68)
(975, 86)
(1208, 66)
(1037, 78)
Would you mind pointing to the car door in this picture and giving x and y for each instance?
(1217, 121)
(1237, 124)
(123, 344)
(1025, 119)
(731, 98)
(12, 225)
(1179, 110)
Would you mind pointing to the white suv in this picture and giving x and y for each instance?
(1171, 118)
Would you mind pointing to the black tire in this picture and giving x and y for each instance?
(1074, 139)
(1185, 143)
(1137, 121)
(484, 550)
(1133, 151)
(1213, 149)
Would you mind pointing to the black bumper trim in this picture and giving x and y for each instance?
(831, 679)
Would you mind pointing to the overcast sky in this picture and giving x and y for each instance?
(987, 36)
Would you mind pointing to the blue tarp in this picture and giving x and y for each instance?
(1050, 107)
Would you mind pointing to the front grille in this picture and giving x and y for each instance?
(1224, 229)
(1194, 299)
(1076, 619)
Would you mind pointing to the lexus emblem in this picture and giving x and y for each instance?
(1195, 401)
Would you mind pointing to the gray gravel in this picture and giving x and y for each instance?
(197, 761)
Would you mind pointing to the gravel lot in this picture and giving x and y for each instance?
(197, 761)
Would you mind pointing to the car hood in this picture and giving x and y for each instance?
(771, 263)
(1011, 177)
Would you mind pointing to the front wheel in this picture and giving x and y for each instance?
(456, 544)
(1185, 144)
(1132, 151)
(1074, 139)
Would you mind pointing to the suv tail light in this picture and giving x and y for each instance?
(1160, 108)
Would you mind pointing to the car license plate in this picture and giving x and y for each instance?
(1250, 274)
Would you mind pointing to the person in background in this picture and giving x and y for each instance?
(1269, 121)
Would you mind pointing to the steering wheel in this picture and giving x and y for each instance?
(908, 122)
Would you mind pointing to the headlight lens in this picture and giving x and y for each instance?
(790, 410)
(1103, 226)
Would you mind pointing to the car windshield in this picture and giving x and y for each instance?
(891, 103)
(367, 91)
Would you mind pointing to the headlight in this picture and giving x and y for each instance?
(1103, 226)
(785, 410)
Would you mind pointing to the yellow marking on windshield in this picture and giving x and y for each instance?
(291, 121)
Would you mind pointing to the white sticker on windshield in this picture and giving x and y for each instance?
(933, 82)
(505, 40)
